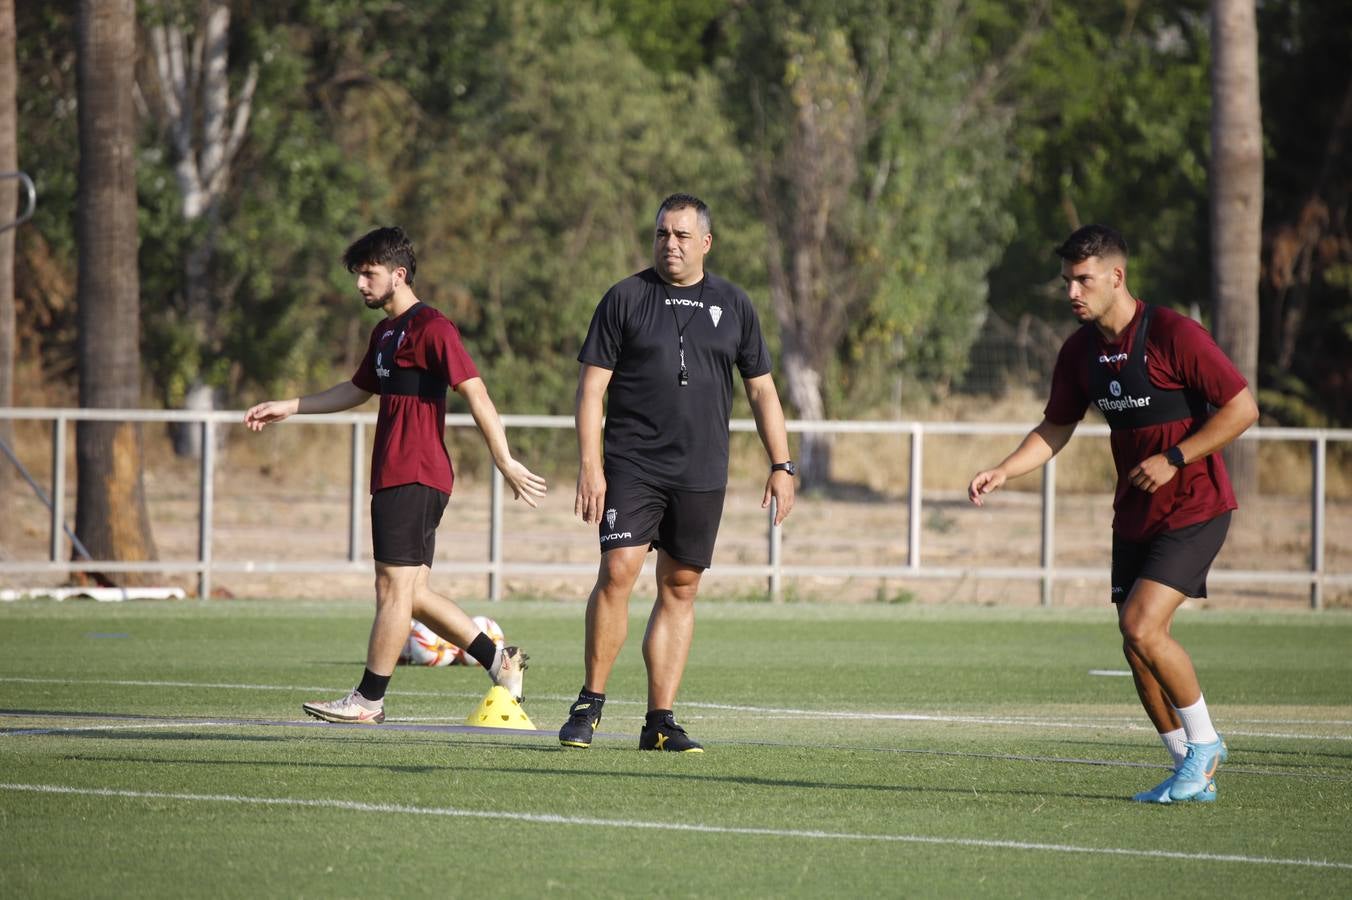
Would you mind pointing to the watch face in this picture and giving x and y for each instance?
(785, 467)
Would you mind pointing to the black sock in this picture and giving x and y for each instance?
(655, 717)
(373, 686)
(484, 650)
(585, 694)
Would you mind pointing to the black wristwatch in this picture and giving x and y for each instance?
(789, 467)
(1174, 456)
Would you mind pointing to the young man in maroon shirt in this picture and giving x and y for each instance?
(1154, 374)
(413, 357)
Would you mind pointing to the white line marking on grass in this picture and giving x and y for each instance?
(128, 682)
(767, 712)
(23, 732)
(588, 822)
(1115, 673)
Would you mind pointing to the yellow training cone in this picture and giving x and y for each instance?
(499, 709)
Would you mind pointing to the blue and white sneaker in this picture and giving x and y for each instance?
(1159, 793)
(1196, 776)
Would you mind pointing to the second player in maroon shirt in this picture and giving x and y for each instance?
(1172, 400)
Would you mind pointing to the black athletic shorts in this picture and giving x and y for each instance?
(1179, 559)
(683, 523)
(404, 522)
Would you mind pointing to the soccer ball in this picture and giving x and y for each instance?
(425, 647)
(488, 627)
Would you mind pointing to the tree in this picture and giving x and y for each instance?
(110, 515)
(1112, 128)
(529, 182)
(879, 141)
(1306, 334)
(9, 161)
(190, 93)
(1236, 203)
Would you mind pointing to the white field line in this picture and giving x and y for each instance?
(589, 822)
(765, 712)
(440, 724)
(132, 726)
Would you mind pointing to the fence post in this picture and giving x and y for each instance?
(207, 502)
(1317, 523)
(1048, 528)
(495, 538)
(58, 485)
(354, 492)
(916, 490)
(776, 579)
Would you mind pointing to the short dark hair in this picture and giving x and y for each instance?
(686, 201)
(388, 247)
(1092, 240)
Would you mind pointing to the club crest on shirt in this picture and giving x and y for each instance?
(715, 313)
(1114, 388)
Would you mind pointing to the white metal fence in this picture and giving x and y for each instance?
(774, 569)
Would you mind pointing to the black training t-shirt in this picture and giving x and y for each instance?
(677, 436)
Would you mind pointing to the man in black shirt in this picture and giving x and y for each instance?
(661, 349)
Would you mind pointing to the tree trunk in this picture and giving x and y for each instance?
(110, 515)
(1236, 204)
(9, 162)
(804, 387)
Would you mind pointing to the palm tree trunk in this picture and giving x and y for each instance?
(8, 195)
(1236, 204)
(110, 513)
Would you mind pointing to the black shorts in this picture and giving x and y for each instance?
(1179, 559)
(683, 523)
(404, 522)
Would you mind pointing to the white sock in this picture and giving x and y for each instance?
(1197, 722)
(1176, 742)
(364, 703)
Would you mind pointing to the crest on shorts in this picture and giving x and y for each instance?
(610, 518)
(715, 313)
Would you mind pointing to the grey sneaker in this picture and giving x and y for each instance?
(509, 668)
(345, 709)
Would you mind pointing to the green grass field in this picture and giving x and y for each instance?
(158, 750)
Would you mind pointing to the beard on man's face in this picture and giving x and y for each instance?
(377, 301)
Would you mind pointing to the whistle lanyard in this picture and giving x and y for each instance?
(683, 376)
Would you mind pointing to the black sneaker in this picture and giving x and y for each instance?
(665, 734)
(583, 718)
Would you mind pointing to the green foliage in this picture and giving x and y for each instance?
(923, 219)
(669, 38)
(1114, 128)
(278, 302)
(526, 143)
(538, 191)
(1306, 295)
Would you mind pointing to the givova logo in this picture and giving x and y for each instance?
(614, 535)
